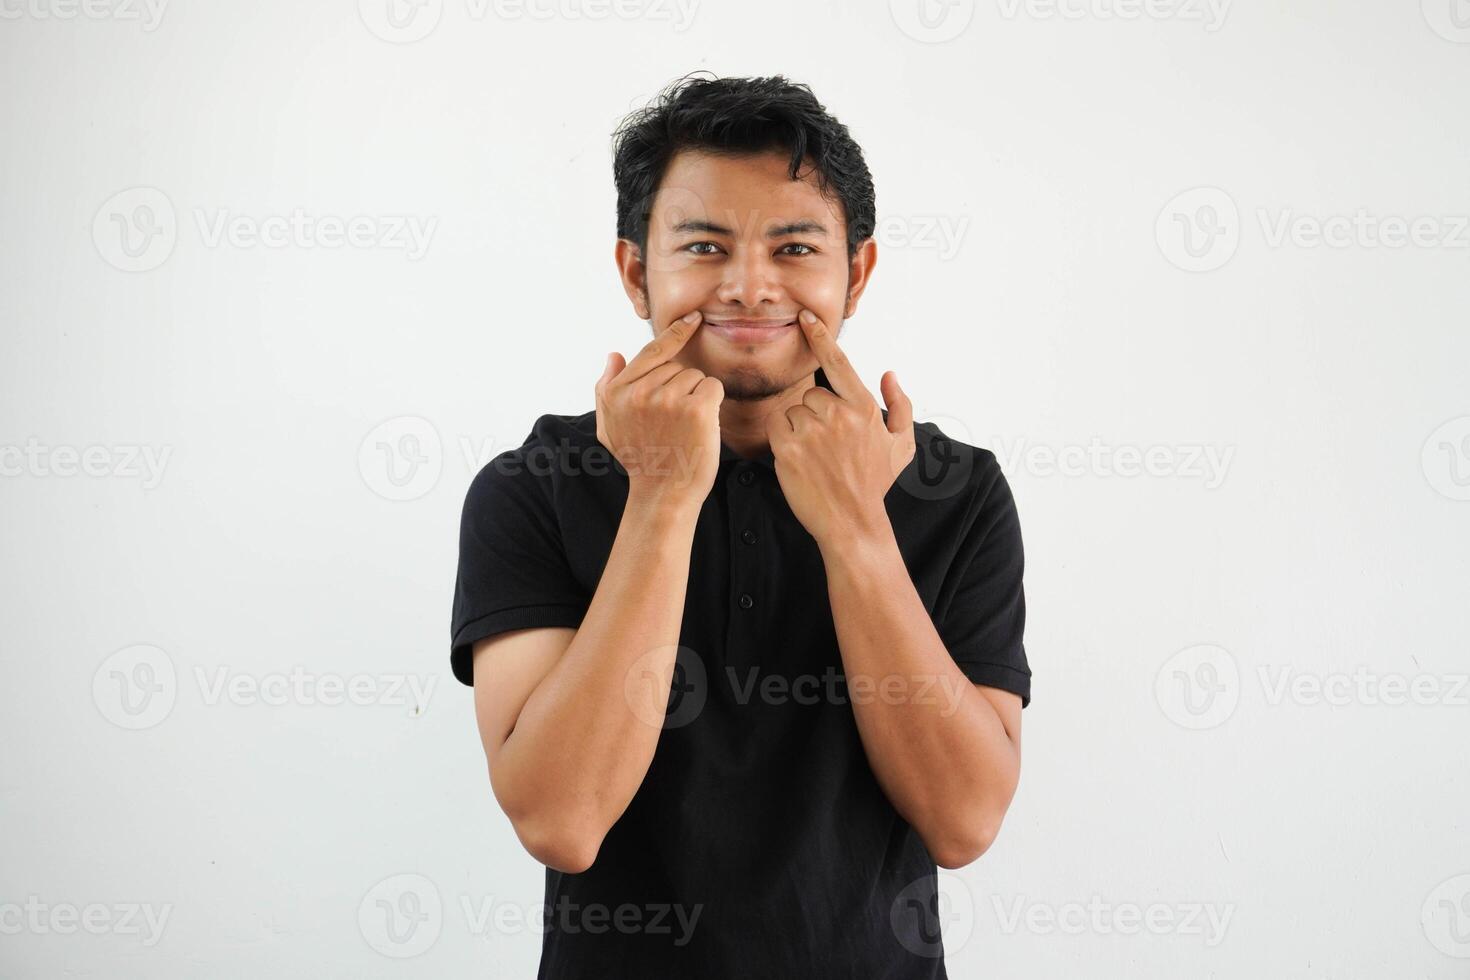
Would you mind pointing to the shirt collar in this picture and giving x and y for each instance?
(767, 458)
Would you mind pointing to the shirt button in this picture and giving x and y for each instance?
(746, 478)
(748, 536)
(746, 601)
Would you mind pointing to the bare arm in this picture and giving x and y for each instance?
(569, 719)
(947, 752)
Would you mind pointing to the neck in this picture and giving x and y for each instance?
(743, 423)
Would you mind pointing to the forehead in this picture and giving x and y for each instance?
(746, 193)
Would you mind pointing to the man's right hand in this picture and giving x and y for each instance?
(661, 420)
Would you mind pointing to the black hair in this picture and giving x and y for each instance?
(735, 117)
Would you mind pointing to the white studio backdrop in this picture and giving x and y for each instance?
(277, 278)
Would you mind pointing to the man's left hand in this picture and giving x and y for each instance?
(835, 458)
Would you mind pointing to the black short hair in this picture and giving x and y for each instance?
(738, 116)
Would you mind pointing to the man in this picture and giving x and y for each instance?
(744, 668)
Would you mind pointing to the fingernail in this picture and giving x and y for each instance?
(807, 316)
(691, 317)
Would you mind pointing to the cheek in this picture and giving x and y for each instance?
(825, 296)
(673, 295)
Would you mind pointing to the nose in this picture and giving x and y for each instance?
(751, 279)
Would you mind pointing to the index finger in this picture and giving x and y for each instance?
(840, 372)
(661, 348)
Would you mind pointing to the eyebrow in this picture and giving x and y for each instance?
(805, 226)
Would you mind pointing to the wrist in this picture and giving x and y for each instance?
(860, 541)
(661, 511)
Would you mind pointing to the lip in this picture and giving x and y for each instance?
(751, 331)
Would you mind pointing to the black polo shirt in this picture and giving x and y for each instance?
(760, 844)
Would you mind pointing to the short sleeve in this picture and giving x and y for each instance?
(985, 616)
(513, 570)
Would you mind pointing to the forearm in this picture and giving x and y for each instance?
(936, 745)
(585, 738)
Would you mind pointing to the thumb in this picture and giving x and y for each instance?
(615, 364)
(900, 409)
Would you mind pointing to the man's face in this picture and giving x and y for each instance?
(738, 240)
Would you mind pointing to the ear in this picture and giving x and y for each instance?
(858, 273)
(634, 275)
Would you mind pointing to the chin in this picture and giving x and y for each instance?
(749, 383)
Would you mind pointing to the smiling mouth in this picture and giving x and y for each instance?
(751, 331)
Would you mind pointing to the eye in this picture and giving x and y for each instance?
(809, 249)
(695, 245)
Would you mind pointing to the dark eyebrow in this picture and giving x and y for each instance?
(805, 226)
